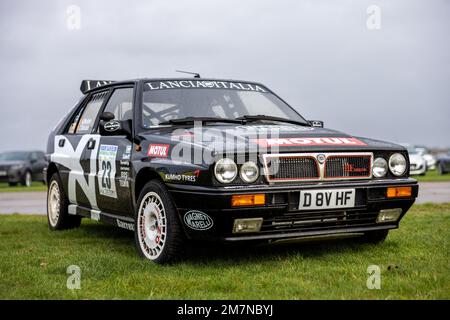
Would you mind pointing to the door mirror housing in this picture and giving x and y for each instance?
(115, 127)
(107, 116)
(316, 123)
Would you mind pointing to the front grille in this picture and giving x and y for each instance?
(292, 168)
(348, 166)
(316, 221)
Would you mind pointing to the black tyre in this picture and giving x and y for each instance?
(158, 233)
(58, 216)
(377, 236)
(12, 184)
(26, 179)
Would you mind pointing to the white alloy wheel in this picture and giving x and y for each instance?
(53, 203)
(151, 225)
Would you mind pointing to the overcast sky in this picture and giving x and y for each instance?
(391, 83)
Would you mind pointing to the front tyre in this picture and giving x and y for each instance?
(57, 207)
(158, 233)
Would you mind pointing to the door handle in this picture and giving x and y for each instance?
(61, 142)
(91, 144)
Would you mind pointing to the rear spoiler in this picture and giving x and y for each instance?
(87, 85)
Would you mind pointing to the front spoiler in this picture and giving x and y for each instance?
(307, 234)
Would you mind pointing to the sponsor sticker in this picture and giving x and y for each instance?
(195, 84)
(198, 220)
(339, 142)
(107, 170)
(112, 125)
(185, 177)
(158, 150)
(125, 225)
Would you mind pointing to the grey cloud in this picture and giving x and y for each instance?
(389, 84)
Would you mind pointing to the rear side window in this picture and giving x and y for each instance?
(90, 112)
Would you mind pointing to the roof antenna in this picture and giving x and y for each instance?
(196, 75)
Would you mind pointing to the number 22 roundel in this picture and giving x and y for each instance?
(107, 170)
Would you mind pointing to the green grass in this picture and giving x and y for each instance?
(414, 264)
(433, 176)
(35, 186)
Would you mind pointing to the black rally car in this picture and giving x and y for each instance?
(205, 159)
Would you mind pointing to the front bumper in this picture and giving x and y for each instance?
(281, 217)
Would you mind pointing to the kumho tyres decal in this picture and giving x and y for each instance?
(107, 170)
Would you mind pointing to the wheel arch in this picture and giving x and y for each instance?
(51, 169)
(142, 177)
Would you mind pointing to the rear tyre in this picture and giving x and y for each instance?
(26, 179)
(374, 237)
(158, 233)
(58, 216)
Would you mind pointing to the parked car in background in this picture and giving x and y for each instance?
(426, 154)
(22, 167)
(443, 163)
(417, 163)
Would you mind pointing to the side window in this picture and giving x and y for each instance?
(90, 112)
(121, 104)
(73, 125)
(34, 156)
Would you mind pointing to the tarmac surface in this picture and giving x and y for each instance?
(35, 202)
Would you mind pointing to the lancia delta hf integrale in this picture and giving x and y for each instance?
(204, 159)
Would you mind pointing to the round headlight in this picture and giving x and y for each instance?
(380, 168)
(249, 172)
(225, 170)
(397, 164)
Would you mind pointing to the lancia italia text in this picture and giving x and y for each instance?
(175, 160)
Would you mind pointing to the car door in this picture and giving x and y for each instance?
(114, 153)
(73, 150)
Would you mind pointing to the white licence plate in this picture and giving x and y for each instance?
(326, 199)
(2, 173)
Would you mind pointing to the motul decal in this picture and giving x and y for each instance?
(310, 142)
(158, 150)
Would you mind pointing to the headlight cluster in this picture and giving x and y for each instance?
(226, 171)
(396, 164)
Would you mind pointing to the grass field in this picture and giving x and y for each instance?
(433, 176)
(414, 263)
(35, 186)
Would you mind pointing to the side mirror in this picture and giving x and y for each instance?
(113, 127)
(316, 123)
(107, 116)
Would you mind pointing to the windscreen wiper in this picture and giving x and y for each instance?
(249, 118)
(188, 120)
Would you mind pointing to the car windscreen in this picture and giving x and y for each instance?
(167, 100)
(14, 156)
